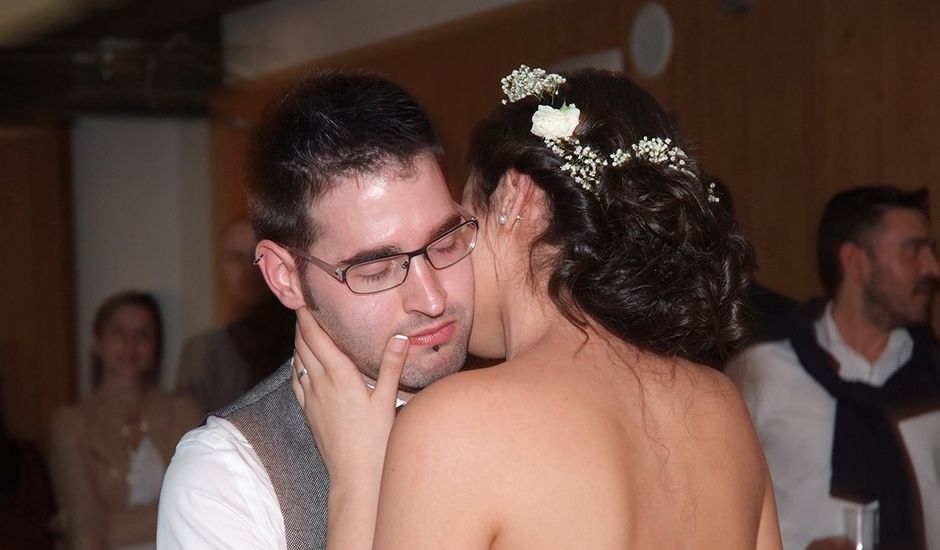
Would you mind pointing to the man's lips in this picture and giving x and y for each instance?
(434, 336)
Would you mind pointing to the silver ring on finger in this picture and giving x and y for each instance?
(301, 373)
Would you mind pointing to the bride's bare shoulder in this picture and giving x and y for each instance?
(480, 394)
(710, 409)
(716, 391)
(711, 399)
(486, 406)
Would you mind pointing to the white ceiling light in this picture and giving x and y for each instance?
(651, 40)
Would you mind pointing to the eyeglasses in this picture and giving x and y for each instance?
(387, 272)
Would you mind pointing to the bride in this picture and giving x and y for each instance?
(608, 279)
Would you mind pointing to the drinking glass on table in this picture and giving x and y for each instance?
(861, 527)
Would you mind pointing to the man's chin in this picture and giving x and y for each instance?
(431, 367)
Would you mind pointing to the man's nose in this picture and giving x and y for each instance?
(422, 290)
(128, 344)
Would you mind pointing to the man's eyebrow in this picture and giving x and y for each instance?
(369, 255)
(444, 227)
(389, 250)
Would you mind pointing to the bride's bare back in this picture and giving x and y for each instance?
(548, 453)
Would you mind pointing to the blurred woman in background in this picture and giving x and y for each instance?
(109, 452)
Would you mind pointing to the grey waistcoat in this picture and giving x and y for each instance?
(271, 420)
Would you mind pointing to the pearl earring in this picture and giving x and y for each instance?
(502, 219)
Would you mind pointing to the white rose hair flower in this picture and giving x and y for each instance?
(551, 123)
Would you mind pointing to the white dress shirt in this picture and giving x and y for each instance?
(216, 494)
(795, 417)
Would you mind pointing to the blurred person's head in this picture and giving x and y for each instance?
(236, 257)
(345, 173)
(127, 338)
(875, 242)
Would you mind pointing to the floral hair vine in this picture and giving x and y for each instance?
(556, 127)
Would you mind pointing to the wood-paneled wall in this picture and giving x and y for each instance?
(787, 103)
(37, 335)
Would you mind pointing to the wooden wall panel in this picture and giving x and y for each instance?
(36, 285)
(738, 86)
(786, 103)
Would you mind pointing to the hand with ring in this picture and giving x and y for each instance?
(350, 421)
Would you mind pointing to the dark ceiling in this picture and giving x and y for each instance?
(142, 57)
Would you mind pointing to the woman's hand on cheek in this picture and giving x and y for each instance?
(349, 421)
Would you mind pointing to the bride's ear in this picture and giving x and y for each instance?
(519, 197)
(280, 273)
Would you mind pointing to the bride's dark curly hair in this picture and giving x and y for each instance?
(647, 256)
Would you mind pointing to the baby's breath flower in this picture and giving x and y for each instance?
(526, 81)
(658, 151)
(583, 162)
(712, 196)
(619, 158)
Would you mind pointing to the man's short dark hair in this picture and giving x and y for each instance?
(331, 125)
(850, 215)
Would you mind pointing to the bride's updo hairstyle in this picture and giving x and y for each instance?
(639, 246)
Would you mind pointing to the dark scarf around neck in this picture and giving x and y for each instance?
(869, 461)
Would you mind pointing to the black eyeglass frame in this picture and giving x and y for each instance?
(339, 273)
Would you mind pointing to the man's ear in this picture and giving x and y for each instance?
(280, 273)
(518, 198)
(854, 261)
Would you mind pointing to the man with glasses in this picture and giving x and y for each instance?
(356, 224)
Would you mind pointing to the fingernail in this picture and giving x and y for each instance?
(399, 342)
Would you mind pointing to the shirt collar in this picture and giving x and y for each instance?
(852, 364)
